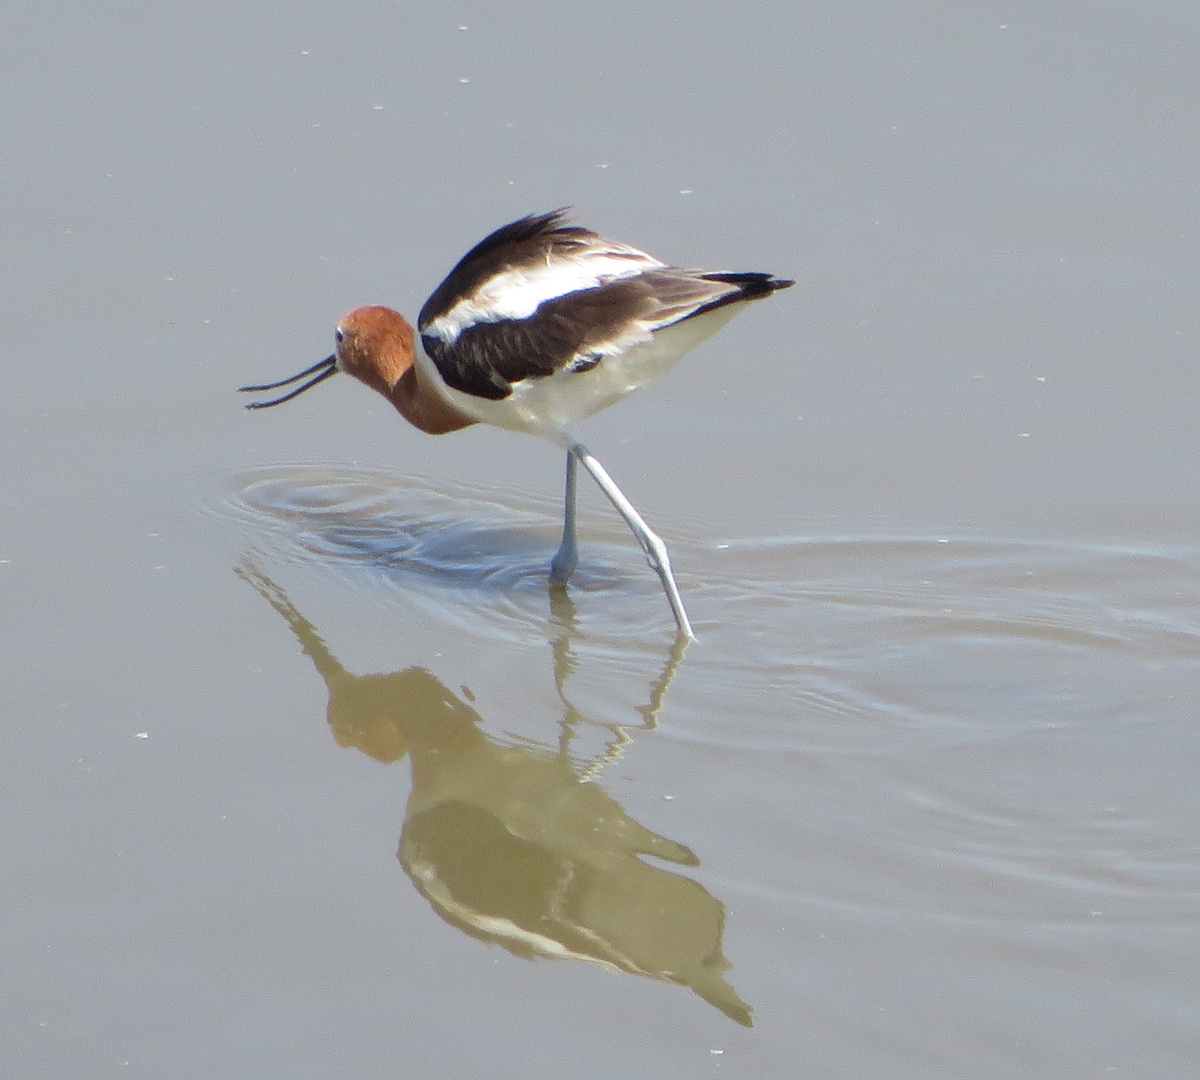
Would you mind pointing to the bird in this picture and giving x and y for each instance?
(541, 324)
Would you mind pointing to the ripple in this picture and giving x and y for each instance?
(972, 638)
(1002, 727)
(451, 548)
(972, 709)
(816, 613)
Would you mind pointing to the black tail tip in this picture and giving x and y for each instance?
(752, 284)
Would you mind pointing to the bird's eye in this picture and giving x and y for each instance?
(339, 335)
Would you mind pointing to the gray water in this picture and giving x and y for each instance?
(304, 770)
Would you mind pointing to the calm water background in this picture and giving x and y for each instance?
(927, 783)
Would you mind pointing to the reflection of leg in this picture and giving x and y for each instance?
(564, 667)
(562, 566)
(652, 545)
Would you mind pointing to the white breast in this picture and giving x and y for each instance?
(548, 406)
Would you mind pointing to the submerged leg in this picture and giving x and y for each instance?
(652, 545)
(562, 566)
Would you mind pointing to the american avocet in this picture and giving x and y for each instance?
(539, 325)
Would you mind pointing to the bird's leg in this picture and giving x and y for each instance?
(562, 566)
(652, 545)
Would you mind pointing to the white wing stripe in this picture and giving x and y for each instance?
(518, 292)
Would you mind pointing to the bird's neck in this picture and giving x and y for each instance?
(423, 408)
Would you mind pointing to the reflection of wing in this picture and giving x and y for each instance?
(529, 897)
(509, 846)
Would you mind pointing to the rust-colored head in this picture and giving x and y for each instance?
(375, 345)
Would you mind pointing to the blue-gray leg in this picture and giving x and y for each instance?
(566, 558)
(652, 545)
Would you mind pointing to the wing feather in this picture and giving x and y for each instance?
(538, 296)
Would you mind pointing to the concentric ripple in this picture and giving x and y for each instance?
(452, 548)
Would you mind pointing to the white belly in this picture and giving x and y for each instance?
(549, 405)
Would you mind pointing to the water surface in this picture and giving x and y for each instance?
(307, 773)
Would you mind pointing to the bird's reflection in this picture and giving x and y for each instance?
(516, 845)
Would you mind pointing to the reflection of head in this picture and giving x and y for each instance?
(362, 708)
(509, 844)
(362, 716)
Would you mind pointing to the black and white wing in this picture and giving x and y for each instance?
(538, 297)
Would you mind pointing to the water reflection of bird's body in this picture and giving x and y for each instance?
(511, 846)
